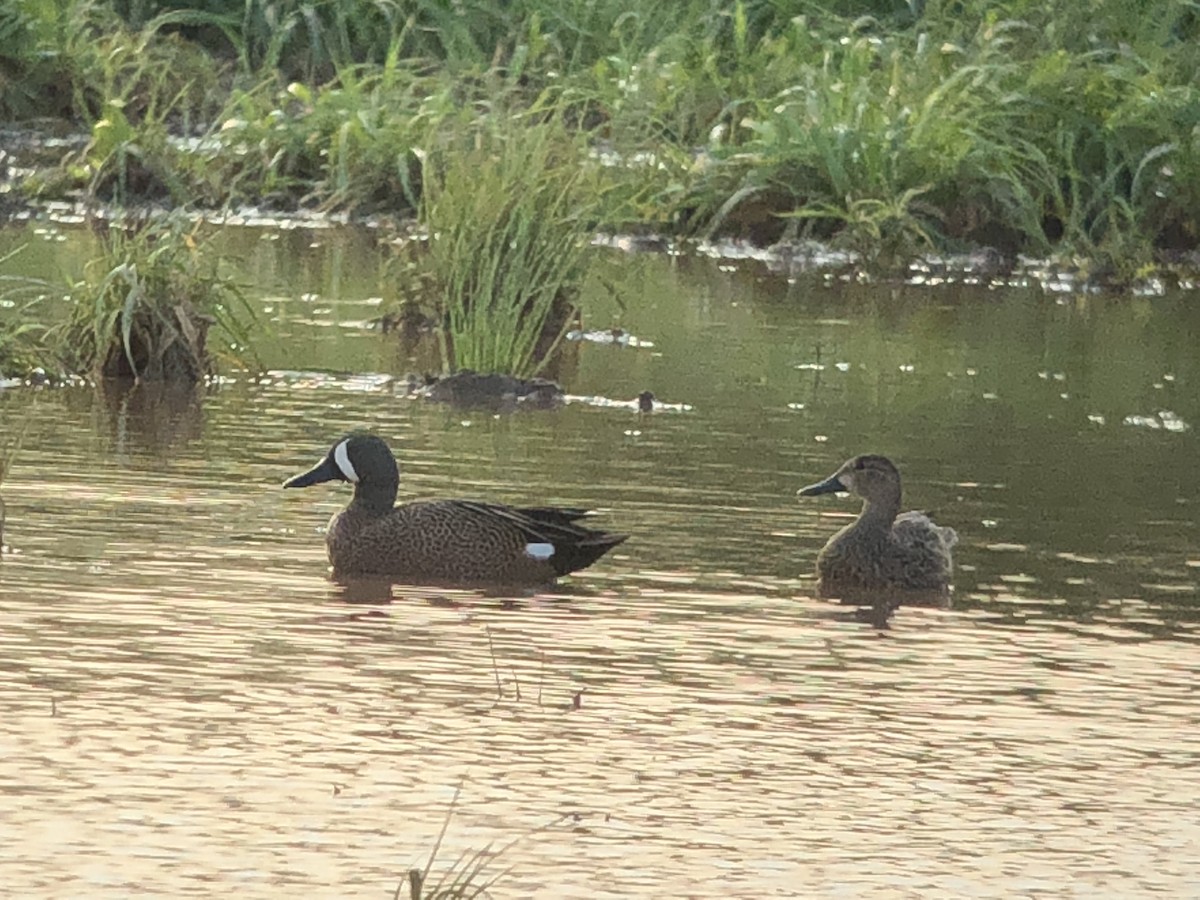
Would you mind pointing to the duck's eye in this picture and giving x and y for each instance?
(860, 464)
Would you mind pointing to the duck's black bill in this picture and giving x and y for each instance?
(828, 486)
(325, 470)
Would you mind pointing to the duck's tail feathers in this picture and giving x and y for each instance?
(575, 547)
(570, 557)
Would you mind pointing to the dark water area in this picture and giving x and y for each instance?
(191, 707)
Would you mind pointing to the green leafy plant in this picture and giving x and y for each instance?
(21, 345)
(509, 221)
(876, 124)
(146, 306)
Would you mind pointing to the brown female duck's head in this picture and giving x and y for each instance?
(874, 478)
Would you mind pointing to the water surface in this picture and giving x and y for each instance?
(191, 707)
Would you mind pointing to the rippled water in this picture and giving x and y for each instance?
(190, 707)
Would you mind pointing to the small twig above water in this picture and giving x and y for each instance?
(495, 666)
(541, 677)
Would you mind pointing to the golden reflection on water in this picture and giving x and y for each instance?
(297, 744)
(190, 707)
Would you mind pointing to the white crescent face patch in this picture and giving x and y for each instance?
(341, 459)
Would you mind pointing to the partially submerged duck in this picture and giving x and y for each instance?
(476, 390)
(444, 541)
(883, 554)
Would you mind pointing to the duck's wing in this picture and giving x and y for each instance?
(555, 515)
(575, 547)
(918, 531)
(924, 560)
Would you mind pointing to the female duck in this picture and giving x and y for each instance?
(443, 541)
(882, 551)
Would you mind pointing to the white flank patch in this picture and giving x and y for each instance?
(539, 551)
(342, 459)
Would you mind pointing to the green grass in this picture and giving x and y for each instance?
(22, 337)
(22, 347)
(889, 128)
(156, 305)
(353, 145)
(509, 218)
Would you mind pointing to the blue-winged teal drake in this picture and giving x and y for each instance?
(444, 541)
(883, 551)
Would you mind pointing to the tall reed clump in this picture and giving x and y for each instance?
(147, 304)
(509, 221)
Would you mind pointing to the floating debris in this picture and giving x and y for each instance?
(366, 382)
(1164, 420)
(634, 243)
(643, 402)
(616, 336)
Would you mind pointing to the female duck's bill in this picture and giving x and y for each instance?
(831, 485)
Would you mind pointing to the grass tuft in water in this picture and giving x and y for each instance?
(470, 876)
(465, 879)
(146, 306)
(509, 220)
